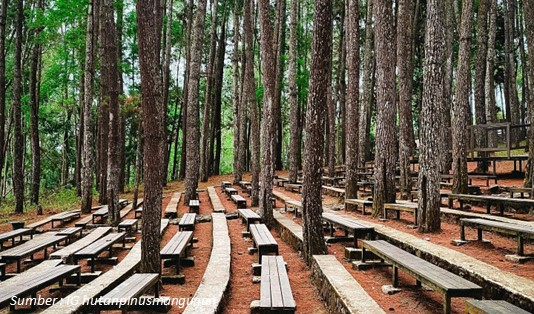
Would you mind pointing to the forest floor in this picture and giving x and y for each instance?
(243, 291)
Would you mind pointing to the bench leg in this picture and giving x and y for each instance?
(462, 232)
(418, 283)
(395, 276)
(501, 209)
(18, 265)
(520, 250)
(93, 264)
(331, 230)
(156, 290)
(488, 208)
(479, 234)
(446, 304)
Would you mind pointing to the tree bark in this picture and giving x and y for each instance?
(405, 34)
(461, 105)
(353, 104)
(87, 155)
(193, 136)
(209, 96)
(528, 7)
(110, 97)
(268, 128)
(367, 97)
(166, 83)
(491, 105)
(34, 113)
(320, 75)
(479, 79)
(3, 16)
(18, 144)
(103, 115)
(250, 97)
(235, 99)
(446, 142)
(428, 213)
(342, 88)
(280, 27)
(293, 94)
(510, 75)
(385, 157)
(149, 28)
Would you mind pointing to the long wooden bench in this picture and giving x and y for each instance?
(170, 210)
(48, 219)
(32, 284)
(442, 281)
(31, 247)
(263, 240)
(449, 177)
(128, 224)
(71, 233)
(492, 307)
(122, 296)
(280, 182)
(398, 207)
(248, 216)
(333, 191)
(177, 247)
(275, 291)
(294, 187)
(65, 217)
(187, 222)
(11, 235)
(239, 200)
(358, 230)
(94, 249)
(519, 190)
(520, 231)
(102, 213)
(356, 202)
(230, 191)
(500, 202)
(226, 184)
(138, 212)
(92, 235)
(471, 189)
(194, 206)
(295, 205)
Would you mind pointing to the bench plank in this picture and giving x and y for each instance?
(275, 290)
(263, 240)
(356, 228)
(492, 307)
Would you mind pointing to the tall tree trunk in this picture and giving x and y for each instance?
(528, 6)
(79, 143)
(385, 106)
(34, 113)
(89, 68)
(185, 96)
(138, 162)
(353, 104)
(103, 116)
(193, 136)
(293, 95)
(428, 213)
(208, 99)
(342, 87)
(279, 44)
(479, 79)
(250, 96)
(268, 129)
(149, 28)
(491, 104)
(166, 81)
(216, 138)
(446, 143)
(65, 146)
(512, 102)
(368, 88)
(320, 76)
(235, 99)
(405, 34)
(3, 53)
(110, 97)
(18, 146)
(461, 105)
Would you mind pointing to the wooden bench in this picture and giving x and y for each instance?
(240, 201)
(248, 216)
(295, 205)
(11, 235)
(294, 187)
(356, 202)
(449, 177)
(280, 182)
(349, 226)
(102, 213)
(226, 184)
(177, 247)
(439, 279)
(263, 240)
(30, 285)
(128, 224)
(48, 219)
(194, 206)
(187, 222)
(492, 307)
(31, 247)
(275, 291)
(398, 207)
(170, 209)
(138, 212)
(471, 189)
(333, 191)
(500, 202)
(94, 249)
(65, 217)
(71, 233)
(520, 231)
(520, 190)
(132, 288)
